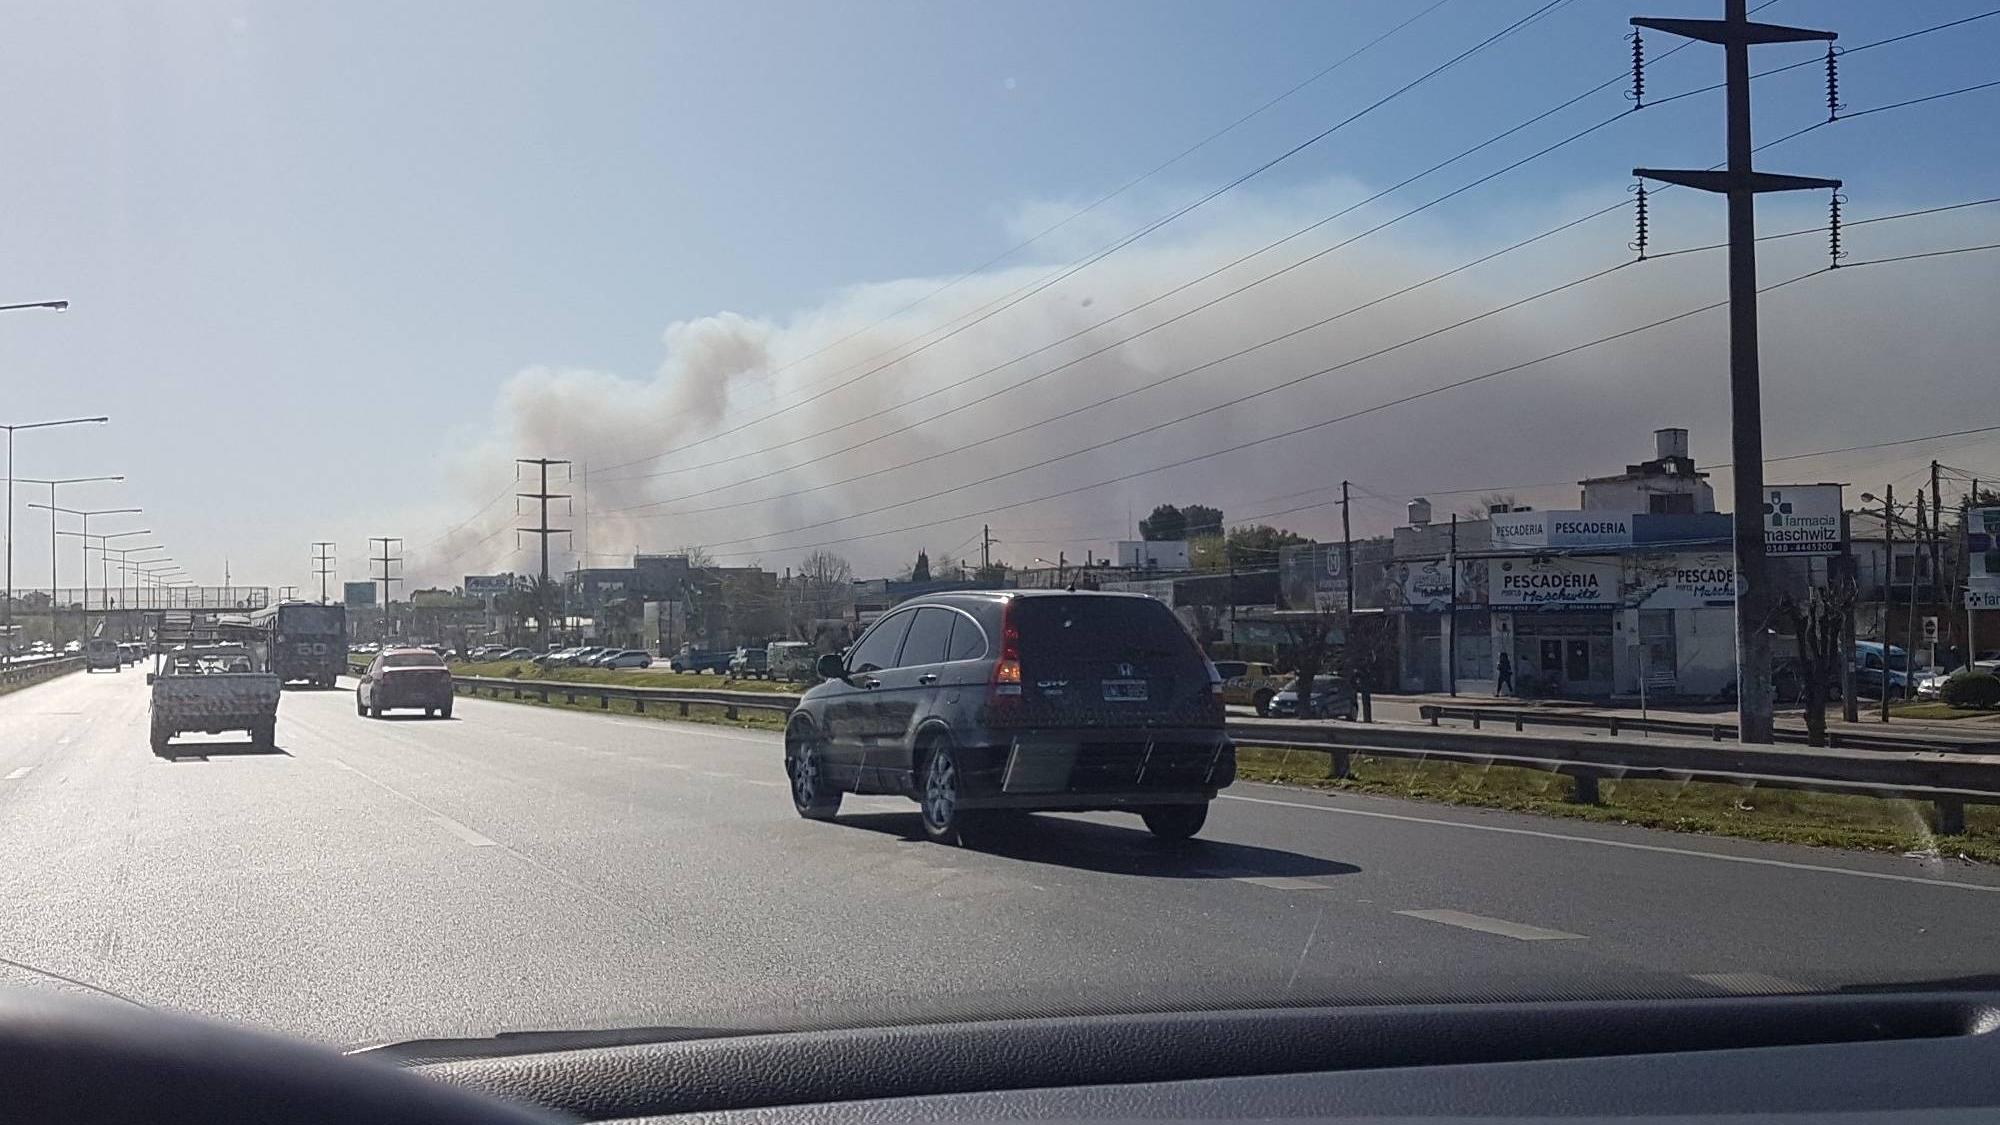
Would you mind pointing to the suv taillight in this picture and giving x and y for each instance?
(1007, 671)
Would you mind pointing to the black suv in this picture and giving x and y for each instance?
(979, 703)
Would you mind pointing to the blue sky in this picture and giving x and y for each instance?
(309, 244)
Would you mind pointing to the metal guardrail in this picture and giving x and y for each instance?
(569, 691)
(19, 675)
(1712, 730)
(1950, 781)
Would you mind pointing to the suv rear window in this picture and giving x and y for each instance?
(1087, 627)
(412, 660)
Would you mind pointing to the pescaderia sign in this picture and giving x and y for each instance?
(1554, 582)
(1682, 580)
(1533, 530)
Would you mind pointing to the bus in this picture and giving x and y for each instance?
(307, 641)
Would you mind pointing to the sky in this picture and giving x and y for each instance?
(333, 266)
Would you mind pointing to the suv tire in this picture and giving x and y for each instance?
(813, 795)
(1262, 700)
(941, 793)
(1175, 822)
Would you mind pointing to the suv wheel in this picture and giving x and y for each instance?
(813, 796)
(1175, 822)
(1263, 702)
(941, 795)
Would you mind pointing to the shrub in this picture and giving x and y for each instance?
(1972, 689)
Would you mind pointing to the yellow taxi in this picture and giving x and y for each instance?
(1249, 682)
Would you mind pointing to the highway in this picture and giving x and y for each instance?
(520, 868)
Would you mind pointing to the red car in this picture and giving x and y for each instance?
(411, 678)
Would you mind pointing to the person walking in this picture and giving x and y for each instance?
(1504, 684)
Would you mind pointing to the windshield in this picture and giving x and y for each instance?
(746, 512)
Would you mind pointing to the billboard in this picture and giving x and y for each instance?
(357, 594)
(1555, 582)
(1425, 585)
(1682, 580)
(1802, 519)
(1982, 558)
(1539, 530)
(487, 585)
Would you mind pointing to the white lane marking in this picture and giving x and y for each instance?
(1516, 930)
(338, 764)
(463, 832)
(1626, 844)
(20, 773)
(769, 784)
(1750, 984)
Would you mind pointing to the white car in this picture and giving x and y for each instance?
(1930, 682)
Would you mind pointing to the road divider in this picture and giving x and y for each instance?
(1713, 730)
(21, 675)
(1948, 780)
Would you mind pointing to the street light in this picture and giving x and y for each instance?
(125, 569)
(57, 306)
(7, 606)
(54, 581)
(85, 537)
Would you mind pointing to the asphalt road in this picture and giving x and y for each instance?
(519, 867)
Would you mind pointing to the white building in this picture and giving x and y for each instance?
(1668, 485)
(1153, 554)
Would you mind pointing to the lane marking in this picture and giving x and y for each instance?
(767, 784)
(463, 832)
(1274, 882)
(1517, 930)
(1749, 984)
(20, 773)
(1629, 845)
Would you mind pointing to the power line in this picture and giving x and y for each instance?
(1109, 195)
(1323, 423)
(1127, 240)
(1073, 413)
(1580, 134)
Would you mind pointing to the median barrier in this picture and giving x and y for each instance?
(1837, 737)
(21, 675)
(1948, 780)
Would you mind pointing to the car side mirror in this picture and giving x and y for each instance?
(832, 667)
(150, 677)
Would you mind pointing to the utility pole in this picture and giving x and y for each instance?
(1850, 708)
(322, 565)
(1888, 584)
(1965, 538)
(1910, 615)
(985, 547)
(544, 531)
(1741, 184)
(1938, 588)
(1347, 555)
(389, 559)
(1451, 622)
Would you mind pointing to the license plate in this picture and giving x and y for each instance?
(1125, 691)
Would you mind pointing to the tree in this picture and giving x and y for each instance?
(921, 570)
(698, 557)
(1257, 544)
(825, 588)
(1165, 524)
(1819, 625)
(1481, 508)
(1200, 520)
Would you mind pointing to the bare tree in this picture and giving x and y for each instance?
(698, 557)
(1819, 626)
(825, 588)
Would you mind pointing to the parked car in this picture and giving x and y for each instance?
(978, 703)
(516, 653)
(1869, 673)
(1248, 683)
(749, 664)
(406, 678)
(1930, 682)
(627, 658)
(789, 660)
(1332, 698)
(691, 659)
(561, 657)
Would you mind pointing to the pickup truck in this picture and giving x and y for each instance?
(213, 688)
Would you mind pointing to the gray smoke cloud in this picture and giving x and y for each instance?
(687, 455)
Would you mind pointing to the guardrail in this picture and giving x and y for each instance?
(1949, 781)
(1713, 730)
(569, 691)
(20, 675)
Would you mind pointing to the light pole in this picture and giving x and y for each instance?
(54, 582)
(7, 606)
(85, 536)
(125, 573)
(160, 577)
